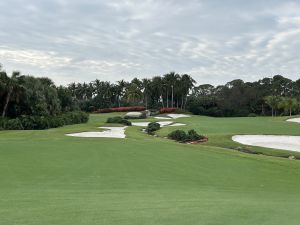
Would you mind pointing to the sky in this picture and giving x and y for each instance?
(215, 41)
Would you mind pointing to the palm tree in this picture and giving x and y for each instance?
(170, 81)
(273, 102)
(289, 104)
(145, 84)
(120, 90)
(156, 90)
(187, 83)
(13, 89)
(134, 94)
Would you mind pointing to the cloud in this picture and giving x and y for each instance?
(214, 41)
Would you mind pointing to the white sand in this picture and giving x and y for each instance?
(162, 118)
(270, 141)
(295, 120)
(134, 114)
(144, 124)
(111, 132)
(177, 124)
(176, 116)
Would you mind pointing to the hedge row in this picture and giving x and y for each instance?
(26, 122)
(167, 110)
(122, 109)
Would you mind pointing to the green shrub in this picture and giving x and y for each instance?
(118, 119)
(41, 123)
(56, 121)
(181, 136)
(75, 117)
(2, 121)
(13, 124)
(193, 135)
(152, 127)
(27, 122)
(126, 122)
(178, 135)
(34, 122)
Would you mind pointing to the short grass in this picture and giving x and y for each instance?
(48, 178)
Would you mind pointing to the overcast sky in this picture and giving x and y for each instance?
(215, 41)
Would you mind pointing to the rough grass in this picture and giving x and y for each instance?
(48, 178)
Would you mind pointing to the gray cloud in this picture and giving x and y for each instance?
(215, 41)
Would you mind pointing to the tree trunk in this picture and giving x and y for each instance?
(185, 102)
(146, 101)
(262, 110)
(182, 100)
(167, 99)
(272, 112)
(290, 112)
(172, 97)
(6, 102)
(162, 100)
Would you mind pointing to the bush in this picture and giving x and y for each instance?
(3, 121)
(13, 124)
(178, 135)
(118, 119)
(55, 122)
(42, 122)
(181, 136)
(194, 136)
(152, 127)
(252, 115)
(75, 117)
(34, 122)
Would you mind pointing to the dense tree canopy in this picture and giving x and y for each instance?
(268, 96)
(28, 95)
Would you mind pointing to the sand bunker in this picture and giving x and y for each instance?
(295, 120)
(162, 118)
(177, 124)
(144, 124)
(176, 116)
(111, 132)
(283, 142)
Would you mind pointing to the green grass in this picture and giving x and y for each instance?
(48, 178)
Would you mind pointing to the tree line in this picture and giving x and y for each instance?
(28, 95)
(269, 96)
